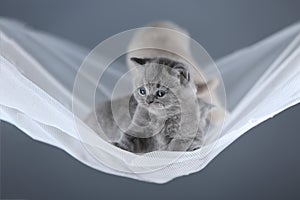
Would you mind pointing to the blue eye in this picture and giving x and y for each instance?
(142, 91)
(160, 93)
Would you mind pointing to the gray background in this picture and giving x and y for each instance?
(262, 164)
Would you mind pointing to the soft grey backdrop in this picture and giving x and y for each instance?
(262, 164)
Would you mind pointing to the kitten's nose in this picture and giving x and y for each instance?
(150, 99)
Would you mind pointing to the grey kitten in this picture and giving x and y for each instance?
(163, 95)
(164, 112)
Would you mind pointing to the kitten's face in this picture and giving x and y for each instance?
(159, 86)
(155, 96)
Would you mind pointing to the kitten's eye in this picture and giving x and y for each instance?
(142, 91)
(160, 93)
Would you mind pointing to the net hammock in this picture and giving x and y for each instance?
(38, 72)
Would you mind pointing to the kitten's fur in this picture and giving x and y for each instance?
(176, 122)
(168, 138)
(159, 120)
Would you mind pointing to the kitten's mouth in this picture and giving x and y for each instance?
(156, 107)
(160, 105)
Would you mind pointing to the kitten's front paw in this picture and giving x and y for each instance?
(193, 148)
(179, 145)
(122, 146)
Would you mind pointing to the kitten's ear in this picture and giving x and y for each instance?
(140, 61)
(204, 88)
(183, 73)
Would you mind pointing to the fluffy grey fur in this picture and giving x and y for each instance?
(174, 121)
(168, 137)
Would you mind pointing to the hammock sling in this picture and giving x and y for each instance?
(37, 74)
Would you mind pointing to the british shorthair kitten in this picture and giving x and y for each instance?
(171, 106)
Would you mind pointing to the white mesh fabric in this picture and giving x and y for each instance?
(37, 73)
